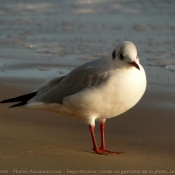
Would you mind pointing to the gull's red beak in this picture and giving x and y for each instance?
(134, 64)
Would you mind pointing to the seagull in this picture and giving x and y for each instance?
(95, 91)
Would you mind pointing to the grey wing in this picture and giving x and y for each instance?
(85, 76)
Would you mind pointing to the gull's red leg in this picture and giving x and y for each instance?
(95, 147)
(103, 147)
(102, 129)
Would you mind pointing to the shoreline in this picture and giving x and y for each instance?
(42, 39)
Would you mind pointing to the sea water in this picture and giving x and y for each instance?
(50, 38)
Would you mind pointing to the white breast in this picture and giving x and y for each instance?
(121, 92)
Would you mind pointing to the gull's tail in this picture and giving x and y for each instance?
(23, 99)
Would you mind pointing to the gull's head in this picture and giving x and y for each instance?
(124, 56)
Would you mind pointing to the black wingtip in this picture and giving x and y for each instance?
(4, 101)
(21, 99)
(18, 104)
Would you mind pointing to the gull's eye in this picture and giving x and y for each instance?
(113, 55)
(121, 57)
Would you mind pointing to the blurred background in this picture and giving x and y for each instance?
(40, 39)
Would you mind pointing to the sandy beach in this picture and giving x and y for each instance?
(38, 140)
(35, 47)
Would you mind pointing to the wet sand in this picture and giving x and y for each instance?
(38, 140)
